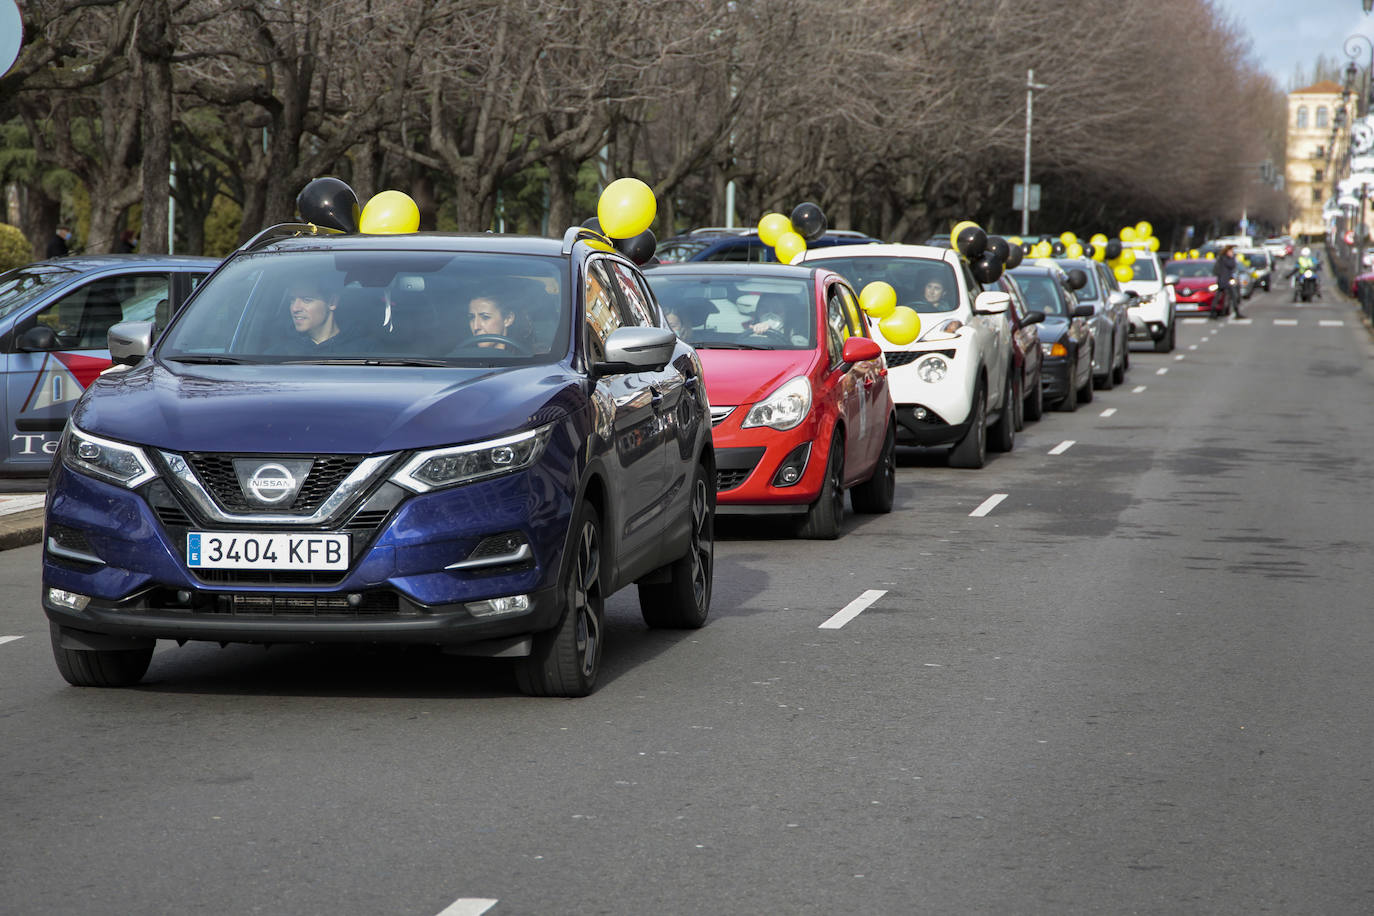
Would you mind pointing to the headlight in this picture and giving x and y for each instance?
(943, 330)
(1212, 288)
(932, 369)
(116, 462)
(449, 467)
(784, 408)
(1054, 349)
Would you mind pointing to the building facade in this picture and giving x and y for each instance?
(1317, 144)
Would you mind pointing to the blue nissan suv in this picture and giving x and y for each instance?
(460, 441)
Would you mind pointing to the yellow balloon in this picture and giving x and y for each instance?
(1180, 255)
(389, 213)
(1099, 240)
(771, 226)
(878, 299)
(902, 326)
(1099, 251)
(1143, 229)
(788, 246)
(1014, 241)
(1193, 253)
(626, 208)
(1128, 234)
(1127, 256)
(1068, 238)
(1073, 249)
(1123, 273)
(1044, 250)
(1152, 243)
(1211, 255)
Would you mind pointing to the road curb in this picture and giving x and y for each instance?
(20, 529)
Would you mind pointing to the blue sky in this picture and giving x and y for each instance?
(1285, 33)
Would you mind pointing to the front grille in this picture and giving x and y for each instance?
(897, 358)
(216, 471)
(373, 604)
(728, 480)
(269, 576)
(718, 414)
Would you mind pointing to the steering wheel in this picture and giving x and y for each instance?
(475, 343)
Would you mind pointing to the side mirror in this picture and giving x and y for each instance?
(130, 341)
(1033, 318)
(637, 349)
(1170, 280)
(1118, 297)
(39, 337)
(991, 303)
(859, 349)
(1084, 311)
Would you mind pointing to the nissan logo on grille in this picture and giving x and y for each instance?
(271, 483)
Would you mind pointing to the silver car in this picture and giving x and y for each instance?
(1110, 324)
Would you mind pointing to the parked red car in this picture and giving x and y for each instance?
(1195, 293)
(800, 406)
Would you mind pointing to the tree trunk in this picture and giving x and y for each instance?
(155, 56)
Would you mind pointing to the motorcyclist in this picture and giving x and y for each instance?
(1307, 261)
(1228, 286)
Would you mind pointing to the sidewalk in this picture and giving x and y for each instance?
(21, 519)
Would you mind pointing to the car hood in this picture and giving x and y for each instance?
(1193, 284)
(1053, 328)
(746, 376)
(321, 409)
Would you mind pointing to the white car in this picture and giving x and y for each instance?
(954, 384)
(1152, 314)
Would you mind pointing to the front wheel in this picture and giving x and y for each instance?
(1166, 343)
(825, 514)
(565, 660)
(972, 450)
(1085, 394)
(99, 667)
(876, 494)
(683, 602)
(1002, 436)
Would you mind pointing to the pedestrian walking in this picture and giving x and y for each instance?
(57, 245)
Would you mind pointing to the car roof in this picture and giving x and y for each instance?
(885, 249)
(735, 268)
(421, 241)
(86, 262)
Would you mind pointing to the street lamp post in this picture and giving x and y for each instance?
(1031, 86)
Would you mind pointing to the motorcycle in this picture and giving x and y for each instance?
(1307, 285)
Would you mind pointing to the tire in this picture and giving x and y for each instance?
(1109, 379)
(1166, 343)
(972, 450)
(876, 494)
(564, 661)
(1034, 407)
(1002, 435)
(825, 514)
(1085, 394)
(683, 602)
(1125, 358)
(1069, 402)
(1018, 402)
(99, 667)
(1119, 371)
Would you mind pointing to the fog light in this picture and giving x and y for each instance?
(493, 607)
(921, 413)
(793, 466)
(68, 599)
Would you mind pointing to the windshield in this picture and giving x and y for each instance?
(25, 284)
(1192, 268)
(738, 312)
(407, 307)
(1041, 293)
(922, 283)
(1144, 269)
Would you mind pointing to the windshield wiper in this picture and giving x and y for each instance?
(368, 361)
(209, 360)
(726, 345)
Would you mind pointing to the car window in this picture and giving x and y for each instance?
(604, 311)
(639, 307)
(1144, 269)
(1042, 293)
(738, 311)
(377, 305)
(23, 285)
(837, 324)
(82, 319)
(924, 284)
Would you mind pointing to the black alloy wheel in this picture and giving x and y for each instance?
(565, 660)
(685, 599)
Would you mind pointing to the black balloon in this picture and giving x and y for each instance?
(986, 268)
(809, 221)
(1113, 249)
(1077, 278)
(329, 202)
(593, 224)
(639, 248)
(999, 247)
(1089, 249)
(972, 242)
(1014, 256)
(1058, 249)
(1026, 248)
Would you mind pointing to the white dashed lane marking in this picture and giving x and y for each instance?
(1063, 447)
(1285, 322)
(991, 503)
(468, 906)
(1137, 389)
(1192, 346)
(5, 639)
(1108, 412)
(849, 612)
(1178, 357)
(1162, 370)
(1331, 323)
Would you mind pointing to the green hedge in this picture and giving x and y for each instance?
(15, 250)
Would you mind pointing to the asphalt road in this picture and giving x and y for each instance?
(1139, 683)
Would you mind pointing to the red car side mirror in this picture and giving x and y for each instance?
(858, 349)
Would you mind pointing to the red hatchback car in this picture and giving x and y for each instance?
(800, 406)
(1195, 293)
